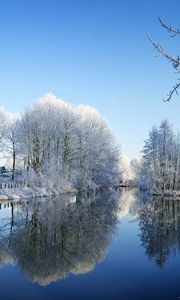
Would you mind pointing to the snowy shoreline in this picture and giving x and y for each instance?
(27, 193)
(172, 194)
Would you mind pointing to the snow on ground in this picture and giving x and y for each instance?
(25, 193)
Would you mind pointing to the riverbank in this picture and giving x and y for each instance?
(167, 194)
(27, 193)
(17, 193)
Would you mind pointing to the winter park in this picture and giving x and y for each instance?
(89, 150)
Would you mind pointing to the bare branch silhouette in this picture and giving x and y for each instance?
(172, 92)
(174, 60)
(169, 28)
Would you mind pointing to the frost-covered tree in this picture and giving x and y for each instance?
(100, 154)
(160, 170)
(130, 171)
(3, 124)
(60, 142)
(8, 136)
(3, 120)
(10, 141)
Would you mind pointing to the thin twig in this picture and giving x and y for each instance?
(169, 28)
(171, 93)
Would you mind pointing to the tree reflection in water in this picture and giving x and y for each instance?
(51, 238)
(159, 221)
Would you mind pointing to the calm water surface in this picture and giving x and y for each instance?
(117, 245)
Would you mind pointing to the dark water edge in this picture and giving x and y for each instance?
(121, 245)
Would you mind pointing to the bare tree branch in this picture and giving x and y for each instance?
(172, 92)
(174, 60)
(169, 28)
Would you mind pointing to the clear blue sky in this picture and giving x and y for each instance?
(94, 52)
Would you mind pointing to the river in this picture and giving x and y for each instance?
(119, 245)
